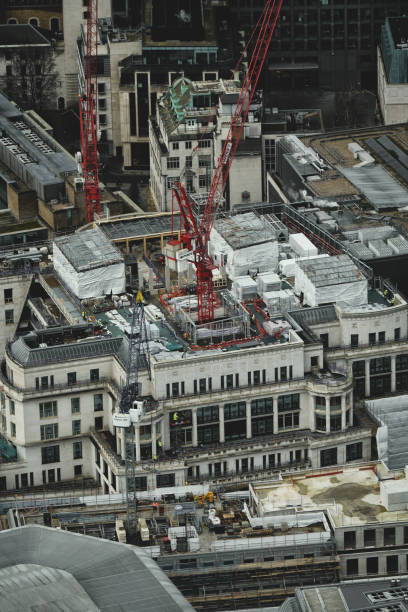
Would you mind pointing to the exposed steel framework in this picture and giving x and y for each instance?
(88, 105)
(197, 233)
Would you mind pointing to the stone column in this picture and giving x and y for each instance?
(275, 416)
(367, 378)
(343, 413)
(248, 420)
(222, 433)
(137, 442)
(393, 373)
(194, 424)
(327, 414)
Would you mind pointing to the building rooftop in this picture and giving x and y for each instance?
(357, 595)
(335, 270)
(50, 569)
(21, 35)
(140, 226)
(244, 230)
(88, 250)
(31, 154)
(351, 495)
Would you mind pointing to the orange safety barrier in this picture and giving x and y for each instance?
(323, 474)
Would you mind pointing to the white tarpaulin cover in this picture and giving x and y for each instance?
(392, 416)
(287, 267)
(262, 257)
(334, 280)
(93, 282)
(302, 246)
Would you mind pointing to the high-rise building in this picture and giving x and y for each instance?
(325, 43)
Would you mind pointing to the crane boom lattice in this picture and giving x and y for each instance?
(197, 235)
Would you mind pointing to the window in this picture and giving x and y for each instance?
(324, 339)
(188, 144)
(392, 564)
(203, 181)
(8, 296)
(314, 361)
(354, 340)
(204, 144)
(98, 423)
(389, 536)
(173, 163)
(207, 414)
(165, 480)
(175, 389)
(34, 22)
(262, 426)
(397, 333)
(379, 365)
(262, 406)
(54, 24)
(369, 537)
(9, 316)
(50, 431)
(71, 378)
(381, 337)
(358, 368)
(75, 405)
(402, 362)
(12, 408)
(48, 409)
(175, 146)
(349, 539)
(98, 402)
(77, 470)
(13, 430)
(171, 181)
(50, 454)
(101, 89)
(354, 451)
(234, 411)
(288, 402)
(372, 565)
(206, 434)
(283, 373)
(77, 450)
(102, 119)
(204, 161)
(189, 161)
(372, 338)
(328, 457)
(76, 428)
(352, 567)
(94, 374)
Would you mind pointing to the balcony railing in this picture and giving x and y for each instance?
(49, 390)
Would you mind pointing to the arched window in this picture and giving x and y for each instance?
(54, 24)
(34, 22)
(12, 21)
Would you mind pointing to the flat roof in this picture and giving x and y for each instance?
(351, 494)
(139, 227)
(88, 249)
(244, 230)
(335, 270)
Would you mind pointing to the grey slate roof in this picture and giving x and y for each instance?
(30, 357)
(314, 316)
(143, 226)
(114, 576)
(21, 34)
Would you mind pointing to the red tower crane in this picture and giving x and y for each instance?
(88, 105)
(197, 232)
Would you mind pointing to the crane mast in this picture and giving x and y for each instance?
(88, 105)
(197, 232)
(131, 405)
